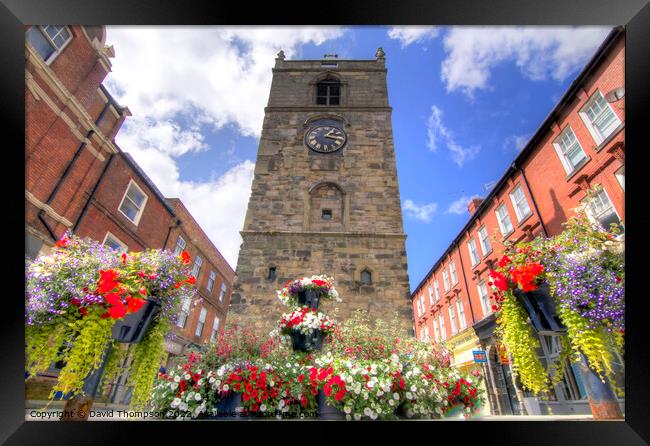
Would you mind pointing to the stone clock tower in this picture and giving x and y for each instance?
(325, 198)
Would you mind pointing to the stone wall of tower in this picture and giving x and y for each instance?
(284, 228)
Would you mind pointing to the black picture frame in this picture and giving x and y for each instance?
(15, 14)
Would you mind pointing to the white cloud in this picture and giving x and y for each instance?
(169, 76)
(516, 142)
(422, 213)
(539, 52)
(216, 75)
(410, 34)
(460, 206)
(437, 133)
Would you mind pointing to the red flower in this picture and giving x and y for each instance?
(185, 257)
(338, 396)
(178, 284)
(319, 282)
(63, 243)
(134, 304)
(505, 260)
(500, 280)
(124, 257)
(117, 311)
(83, 311)
(113, 299)
(107, 281)
(191, 280)
(143, 291)
(141, 274)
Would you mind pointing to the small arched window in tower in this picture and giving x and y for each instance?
(366, 277)
(328, 92)
(272, 271)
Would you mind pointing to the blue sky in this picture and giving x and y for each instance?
(465, 100)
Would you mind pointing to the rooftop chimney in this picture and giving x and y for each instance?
(473, 204)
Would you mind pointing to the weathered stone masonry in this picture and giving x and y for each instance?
(284, 228)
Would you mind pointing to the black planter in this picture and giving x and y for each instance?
(304, 343)
(540, 306)
(133, 326)
(226, 409)
(311, 298)
(327, 411)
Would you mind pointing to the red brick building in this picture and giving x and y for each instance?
(77, 179)
(199, 322)
(580, 144)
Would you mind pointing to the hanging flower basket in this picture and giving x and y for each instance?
(540, 306)
(328, 411)
(306, 342)
(229, 408)
(133, 326)
(310, 298)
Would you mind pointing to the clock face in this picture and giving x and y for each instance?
(325, 138)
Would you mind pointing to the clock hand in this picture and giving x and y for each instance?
(333, 137)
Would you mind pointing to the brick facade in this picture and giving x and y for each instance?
(76, 177)
(214, 301)
(550, 193)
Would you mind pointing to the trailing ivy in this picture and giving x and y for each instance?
(147, 357)
(114, 367)
(523, 344)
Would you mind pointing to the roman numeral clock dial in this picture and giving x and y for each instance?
(325, 138)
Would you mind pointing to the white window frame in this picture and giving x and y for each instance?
(453, 272)
(211, 280)
(201, 322)
(196, 268)
(424, 306)
(568, 167)
(484, 298)
(223, 291)
(473, 253)
(436, 288)
(445, 280)
(419, 309)
(452, 319)
(58, 50)
(431, 301)
(502, 218)
(515, 203)
(595, 132)
(481, 239)
(184, 313)
(443, 329)
(140, 210)
(620, 176)
(593, 217)
(461, 314)
(215, 328)
(180, 245)
(436, 330)
(124, 247)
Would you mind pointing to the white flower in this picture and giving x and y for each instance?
(347, 409)
(175, 403)
(409, 395)
(413, 388)
(182, 406)
(367, 411)
(197, 396)
(220, 372)
(348, 417)
(173, 386)
(211, 380)
(263, 407)
(200, 382)
(188, 376)
(391, 402)
(177, 379)
(357, 416)
(396, 396)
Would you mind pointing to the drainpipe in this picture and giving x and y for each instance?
(539, 217)
(92, 194)
(67, 170)
(469, 300)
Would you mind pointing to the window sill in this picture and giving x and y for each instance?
(611, 136)
(578, 168)
(526, 218)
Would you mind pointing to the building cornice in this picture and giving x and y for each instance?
(328, 109)
(48, 76)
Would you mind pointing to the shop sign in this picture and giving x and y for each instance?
(479, 355)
